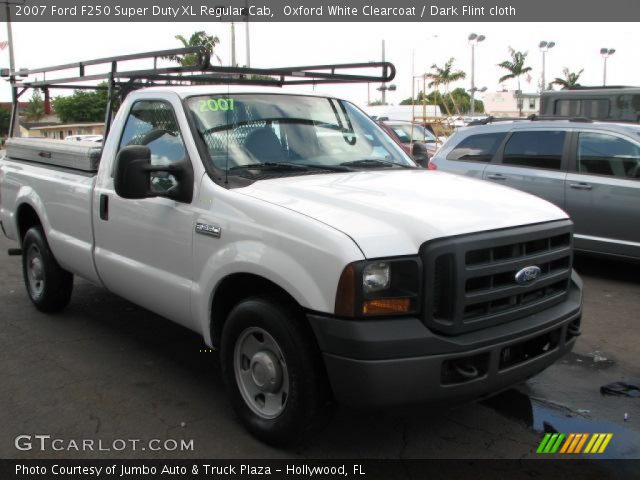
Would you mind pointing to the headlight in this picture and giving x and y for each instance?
(380, 287)
(376, 277)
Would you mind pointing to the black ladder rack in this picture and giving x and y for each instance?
(120, 82)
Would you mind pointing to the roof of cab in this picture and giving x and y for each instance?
(194, 90)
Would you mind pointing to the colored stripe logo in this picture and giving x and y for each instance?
(574, 443)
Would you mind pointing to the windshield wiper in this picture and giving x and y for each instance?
(333, 168)
(290, 166)
(269, 166)
(373, 163)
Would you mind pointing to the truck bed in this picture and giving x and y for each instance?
(65, 196)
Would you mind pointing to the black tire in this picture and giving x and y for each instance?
(50, 288)
(308, 396)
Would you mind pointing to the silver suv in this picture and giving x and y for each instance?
(590, 169)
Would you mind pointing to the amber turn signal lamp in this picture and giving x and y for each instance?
(383, 306)
(346, 294)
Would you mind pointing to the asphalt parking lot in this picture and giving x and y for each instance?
(105, 369)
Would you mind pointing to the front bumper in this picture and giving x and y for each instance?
(372, 363)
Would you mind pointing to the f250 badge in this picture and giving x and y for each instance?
(528, 275)
(206, 229)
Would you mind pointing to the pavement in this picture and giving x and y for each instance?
(105, 369)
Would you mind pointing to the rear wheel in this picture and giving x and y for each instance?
(273, 370)
(48, 285)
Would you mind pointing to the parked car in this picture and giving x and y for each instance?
(289, 231)
(414, 139)
(621, 104)
(409, 149)
(589, 169)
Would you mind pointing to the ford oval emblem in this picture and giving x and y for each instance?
(528, 275)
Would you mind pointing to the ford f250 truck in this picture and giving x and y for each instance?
(303, 245)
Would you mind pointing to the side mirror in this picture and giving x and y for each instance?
(132, 178)
(133, 175)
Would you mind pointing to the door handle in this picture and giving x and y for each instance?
(104, 207)
(580, 186)
(496, 176)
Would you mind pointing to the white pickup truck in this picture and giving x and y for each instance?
(301, 242)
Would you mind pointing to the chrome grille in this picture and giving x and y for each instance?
(470, 280)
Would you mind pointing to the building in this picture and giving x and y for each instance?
(505, 103)
(60, 131)
(31, 129)
(9, 105)
(403, 112)
(49, 126)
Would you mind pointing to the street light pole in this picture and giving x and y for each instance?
(474, 39)
(12, 63)
(544, 62)
(544, 48)
(15, 123)
(473, 78)
(233, 44)
(246, 35)
(383, 87)
(606, 53)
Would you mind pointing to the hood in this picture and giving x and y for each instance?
(389, 213)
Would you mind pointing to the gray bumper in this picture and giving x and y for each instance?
(396, 361)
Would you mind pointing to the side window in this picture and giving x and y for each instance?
(477, 148)
(596, 108)
(153, 124)
(402, 135)
(567, 108)
(601, 154)
(536, 149)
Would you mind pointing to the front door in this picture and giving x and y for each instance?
(144, 247)
(532, 161)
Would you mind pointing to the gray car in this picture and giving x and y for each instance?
(590, 169)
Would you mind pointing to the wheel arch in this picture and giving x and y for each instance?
(26, 217)
(238, 286)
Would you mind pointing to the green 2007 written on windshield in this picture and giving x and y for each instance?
(216, 104)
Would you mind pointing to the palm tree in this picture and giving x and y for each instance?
(444, 76)
(515, 67)
(570, 79)
(197, 39)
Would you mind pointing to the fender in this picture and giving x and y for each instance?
(26, 195)
(312, 290)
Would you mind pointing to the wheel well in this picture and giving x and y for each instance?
(237, 287)
(26, 218)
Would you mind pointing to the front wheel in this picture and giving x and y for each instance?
(48, 285)
(273, 370)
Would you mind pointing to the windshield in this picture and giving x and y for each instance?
(417, 132)
(243, 131)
